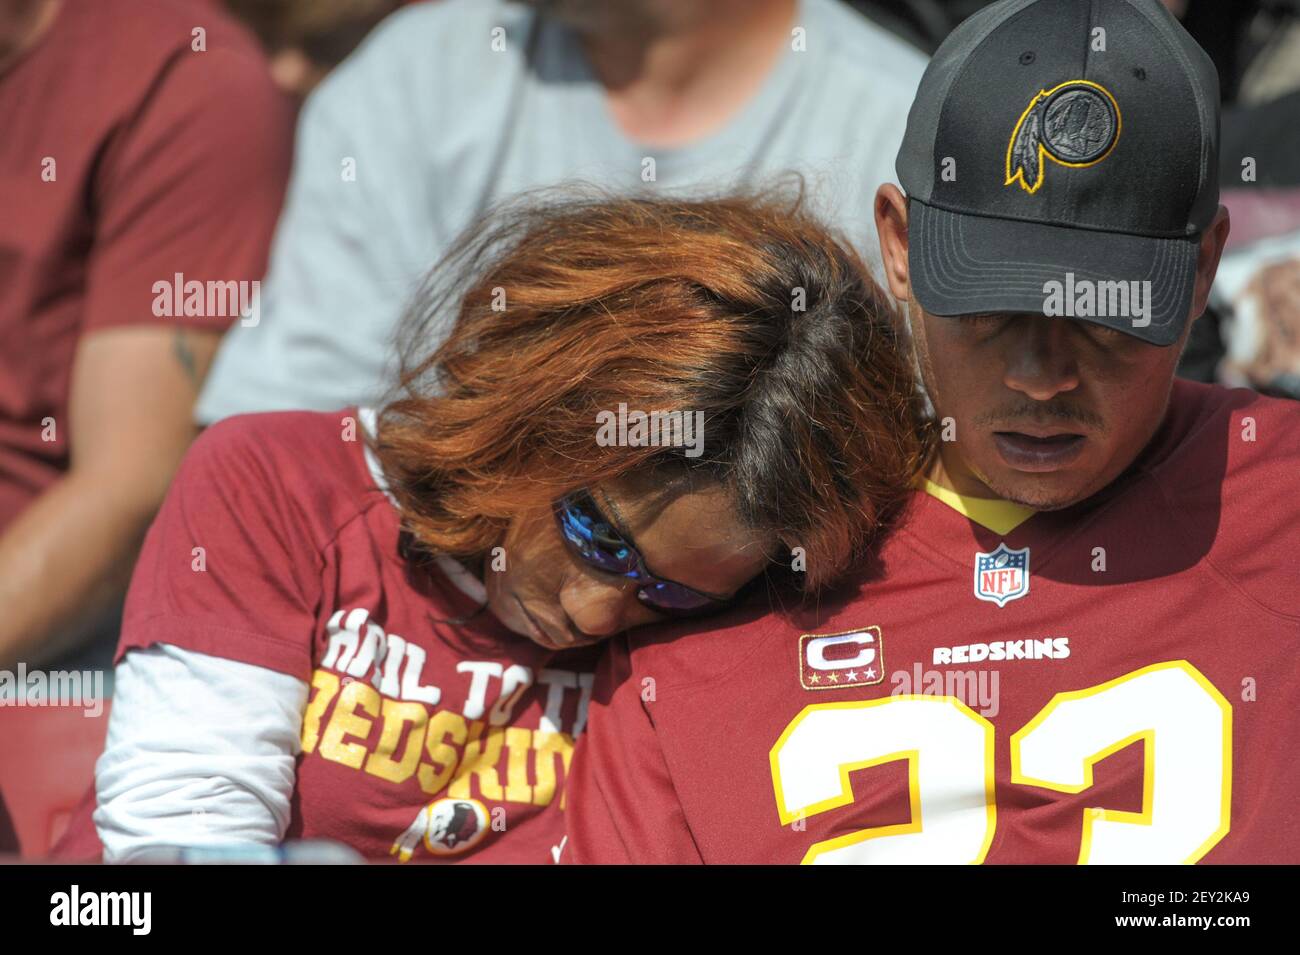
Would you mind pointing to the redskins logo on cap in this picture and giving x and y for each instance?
(1076, 124)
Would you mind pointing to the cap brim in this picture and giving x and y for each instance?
(964, 264)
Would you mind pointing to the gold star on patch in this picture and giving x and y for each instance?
(833, 677)
(814, 678)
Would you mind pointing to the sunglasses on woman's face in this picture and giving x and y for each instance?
(597, 543)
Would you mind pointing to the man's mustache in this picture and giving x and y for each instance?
(1042, 415)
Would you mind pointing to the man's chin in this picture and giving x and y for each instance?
(1040, 492)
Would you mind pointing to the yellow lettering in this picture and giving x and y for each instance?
(518, 743)
(548, 746)
(345, 722)
(444, 755)
(482, 753)
(325, 685)
(397, 715)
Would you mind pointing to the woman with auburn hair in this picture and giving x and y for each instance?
(370, 627)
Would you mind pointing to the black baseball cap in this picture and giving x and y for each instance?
(1062, 138)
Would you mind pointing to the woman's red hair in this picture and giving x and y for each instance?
(743, 308)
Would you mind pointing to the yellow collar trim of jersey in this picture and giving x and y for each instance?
(999, 516)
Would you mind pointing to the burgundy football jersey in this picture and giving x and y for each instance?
(1112, 683)
(423, 739)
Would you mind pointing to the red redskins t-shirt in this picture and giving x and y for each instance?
(128, 157)
(1112, 683)
(423, 739)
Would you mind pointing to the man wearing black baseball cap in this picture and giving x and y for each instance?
(1060, 161)
(1060, 654)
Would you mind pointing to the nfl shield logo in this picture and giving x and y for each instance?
(1002, 575)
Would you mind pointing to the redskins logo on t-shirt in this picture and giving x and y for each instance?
(446, 827)
(454, 825)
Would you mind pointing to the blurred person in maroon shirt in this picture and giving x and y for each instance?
(142, 168)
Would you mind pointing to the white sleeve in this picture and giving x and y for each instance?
(200, 753)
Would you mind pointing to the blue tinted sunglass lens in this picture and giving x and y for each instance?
(599, 544)
(595, 541)
(672, 597)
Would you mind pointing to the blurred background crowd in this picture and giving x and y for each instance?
(209, 208)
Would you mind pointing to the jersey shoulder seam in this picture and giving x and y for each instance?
(1208, 560)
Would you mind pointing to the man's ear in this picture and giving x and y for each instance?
(891, 229)
(1207, 265)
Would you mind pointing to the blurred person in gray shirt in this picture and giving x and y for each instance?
(448, 107)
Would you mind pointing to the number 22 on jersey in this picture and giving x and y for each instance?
(1184, 721)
